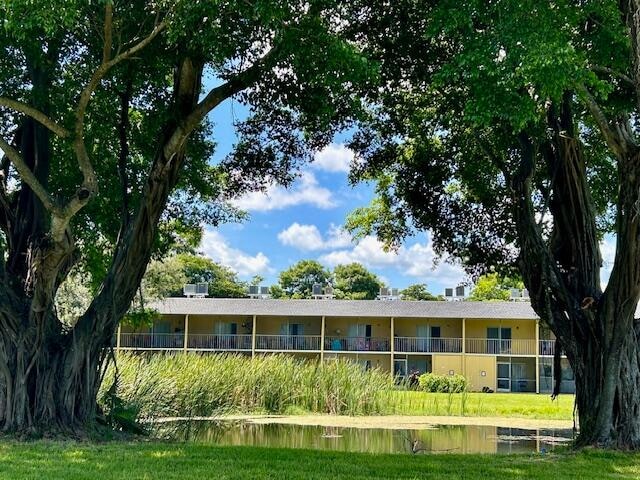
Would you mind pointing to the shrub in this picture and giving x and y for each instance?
(432, 382)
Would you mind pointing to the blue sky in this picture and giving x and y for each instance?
(304, 222)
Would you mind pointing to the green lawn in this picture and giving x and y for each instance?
(73, 461)
(520, 405)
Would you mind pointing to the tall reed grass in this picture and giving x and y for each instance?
(190, 385)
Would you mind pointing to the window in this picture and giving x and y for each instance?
(226, 328)
(292, 329)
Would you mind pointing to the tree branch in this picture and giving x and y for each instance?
(614, 73)
(108, 32)
(36, 114)
(618, 145)
(217, 95)
(79, 145)
(28, 177)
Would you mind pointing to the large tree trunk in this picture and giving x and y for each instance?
(595, 330)
(50, 373)
(608, 392)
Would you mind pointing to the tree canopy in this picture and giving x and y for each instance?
(166, 278)
(419, 291)
(508, 129)
(107, 147)
(493, 287)
(297, 281)
(354, 282)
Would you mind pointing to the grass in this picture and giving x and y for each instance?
(516, 405)
(184, 385)
(169, 461)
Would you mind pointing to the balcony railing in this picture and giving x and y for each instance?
(428, 345)
(288, 342)
(547, 347)
(357, 344)
(500, 347)
(159, 341)
(221, 342)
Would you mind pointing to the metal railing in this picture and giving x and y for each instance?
(219, 342)
(500, 347)
(428, 345)
(547, 347)
(357, 344)
(159, 341)
(288, 342)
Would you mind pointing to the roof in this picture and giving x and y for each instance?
(344, 308)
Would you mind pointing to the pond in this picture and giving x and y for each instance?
(437, 439)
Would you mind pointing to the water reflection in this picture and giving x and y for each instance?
(439, 439)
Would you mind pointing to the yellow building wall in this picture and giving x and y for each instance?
(382, 361)
(380, 327)
(206, 324)
(407, 327)
(442, 364)
(474, 366)
(520, 329)
(271, 325)
(175, 322)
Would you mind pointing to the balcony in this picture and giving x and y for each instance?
(500, 347)
(357, 344)
(547, 347)
(219, 342)
(152, 341)
(288, 342)
(427, 345)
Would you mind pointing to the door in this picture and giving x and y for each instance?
(160, 337)
(436, 342)
(505, 340)
(519, 377)
(504, 377)
(422, 342)
(493, 339)
(400, 368)
(359, 336)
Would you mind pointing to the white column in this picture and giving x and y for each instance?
(322, 327)
(253, 338)
(118, 337)
(186, 332)
(537, 356)
(393, 342)
(464, 346)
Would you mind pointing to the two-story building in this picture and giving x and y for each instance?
(498, 345)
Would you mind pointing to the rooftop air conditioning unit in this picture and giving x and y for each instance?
(317, 289)
(264, 290)
(460, 291)
(525, 294)
(515, 294)
(189, 290)
(202, 289)
(448, 292)
(384, 292)
(395, 292)
(254, 290)
(328, 290)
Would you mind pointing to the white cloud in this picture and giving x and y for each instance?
(333, 158)
(417, 260)
(306, 190)
(309, 238)
(218, 249)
